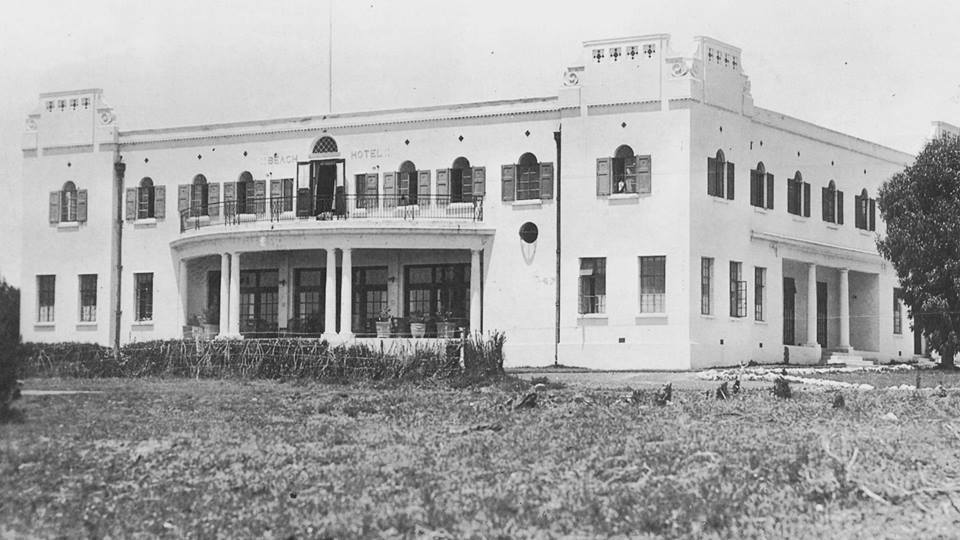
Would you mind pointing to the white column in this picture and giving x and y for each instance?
(224, 294)
(182, 279)
(845, 309)
(235, 294)
(330, 304)
(475, 290)
(811, 305)
(346, 294)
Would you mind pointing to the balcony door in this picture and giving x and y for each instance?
(323, 184)
(259, 295)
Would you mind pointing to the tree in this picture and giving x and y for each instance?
(921, 208)
(9, 346)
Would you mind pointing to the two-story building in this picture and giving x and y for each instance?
(647, 216)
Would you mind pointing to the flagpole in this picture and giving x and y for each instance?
(330, 57)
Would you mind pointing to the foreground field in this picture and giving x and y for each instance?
(227, 459)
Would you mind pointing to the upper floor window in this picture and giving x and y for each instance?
(406, 186)
(798, 195)
(761, 187)
(625, 172)
(461, 182)
(832, 204)
(593, 285)
(246, 193)
(281, 195)
(146, 199)
(68, 205)
(866, 212)
(720, 176)
(46, 297)
(199, 196)
(325, 145)
(653, 284)
(528, 179)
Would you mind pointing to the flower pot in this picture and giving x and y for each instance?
(418, 329)
(383, 329)
(446, 329)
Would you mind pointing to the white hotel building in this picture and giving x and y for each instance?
(695, 229)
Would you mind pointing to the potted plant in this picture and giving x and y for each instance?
(418, 325)
(383, 323)
(446, 327)
(210, 320)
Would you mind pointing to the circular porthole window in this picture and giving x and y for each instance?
(529, 232)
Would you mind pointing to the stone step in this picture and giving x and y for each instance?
(847, 359)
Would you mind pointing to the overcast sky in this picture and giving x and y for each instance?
(879, 70)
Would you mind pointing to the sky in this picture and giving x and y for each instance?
(878, 69)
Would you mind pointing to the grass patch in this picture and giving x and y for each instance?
(261, 458)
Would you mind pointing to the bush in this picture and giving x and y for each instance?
(9, 346)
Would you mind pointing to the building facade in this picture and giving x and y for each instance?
(695, 229)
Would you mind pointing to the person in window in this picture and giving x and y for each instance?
(621, 186)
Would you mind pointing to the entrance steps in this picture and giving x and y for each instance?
(849, 358)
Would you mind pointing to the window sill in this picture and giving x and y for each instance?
(867, 234)
(833, 227)
(738, 319)
(529, 202)
(592, 316)
(897, 336)
(68, 225)
(764, 323)
(800, 219)
(142, 325)
(44, 325)
(620, 196)
(145, 222)
(708, 316)
(87, 325)
(719, 200)
(760, 210)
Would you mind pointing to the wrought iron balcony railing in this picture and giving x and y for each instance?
(350, 207)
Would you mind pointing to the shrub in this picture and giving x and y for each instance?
(781, 388)
(9, 347)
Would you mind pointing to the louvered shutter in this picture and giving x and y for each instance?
(508, 182)
(372, 187)
(604, 175)
(423, 180)
(276, 197)
(839, 208)
(213, 200)
(160, 202)
(546, 180)
(857, 212)
(825, 204)
(389, 189)
(711, 177)
(443, 186)
(806, 199)
(756, 186)
(183, 197)
(260, 195)
(730, 181)
(82, 205)
(131, 204)
(873, 214)
(229, 199)
(769, 191)
(644, 174)
(54, 207)
(479, 181)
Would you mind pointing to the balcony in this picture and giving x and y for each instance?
(395, 208)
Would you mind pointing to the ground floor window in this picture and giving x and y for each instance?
(593, 285)
(310, 300)
(143, 296)
(259, 296)
(438, 291)
(46, 296)
(212, 315)
(897, 311)
(759, 292)
(653, 276)
(706, 285)
(738, 290)
(789, 312)
(369, 298)
(88, 297)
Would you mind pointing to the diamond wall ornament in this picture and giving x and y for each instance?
(649, 50)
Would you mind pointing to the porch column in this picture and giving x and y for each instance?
(182, 279)
(811, 305)
(475, 323)
(234, 294)
(330, 306)
(224, 294)
(845, 309)
(346, 294)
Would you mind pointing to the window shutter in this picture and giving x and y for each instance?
(372, 187)
(131, 204)
(54, 207)
(873, 214)
(260, 195)
(825, 204)
(82, 205)
(479, 181)
(546, 180)
(644, 174)
(730, 181)
(508, 182)
(857, 212)
(276, 189)
(604, 180)
(160, 202)
(390, 184)
(769, 191)
(183, 197)
(229, 198)
(213, 200)
(423, 179)
(443, 186)
(839, 208)
(806, 199)
(303, 174)
(711, 177)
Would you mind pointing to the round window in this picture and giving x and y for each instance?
(529, 232)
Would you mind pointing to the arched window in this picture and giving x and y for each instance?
(146, 199)
(761, 187)
(624, 170)
(199, 196)
(245, 193)
(720, 176)
(407, 186)
(798, 195)
(866, 211)
(528, 177)
(461, 180)
(325, 145)
(832, 203)
(68, 202)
